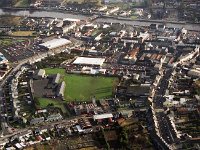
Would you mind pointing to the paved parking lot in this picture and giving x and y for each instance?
(19, 49)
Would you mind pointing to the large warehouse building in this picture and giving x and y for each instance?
(55, 44)
(102, 116)
(88, 61)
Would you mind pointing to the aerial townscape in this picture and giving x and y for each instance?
(100, 74)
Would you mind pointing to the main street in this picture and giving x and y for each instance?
(165, 128)
(67, 121)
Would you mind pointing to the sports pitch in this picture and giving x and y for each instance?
(84, 87)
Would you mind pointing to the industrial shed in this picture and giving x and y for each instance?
(60, 43)
(102, 116)
(90, 61)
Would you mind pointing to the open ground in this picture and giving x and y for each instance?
(84, 87)
(79, 88)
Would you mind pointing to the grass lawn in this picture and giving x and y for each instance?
(10, 20)
(83, 87)
(23, 33)
(133, 17)
(6, 42)
(96, 32)
(50, 71)
(44, 102)
(20, 40)
(128, 122)
(80, 1)
(9, 42)
(22, 3)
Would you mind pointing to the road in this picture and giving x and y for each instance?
(165, 127)
(16, 67)
(46, 124)
(166, 130)
(188, 26)
(162, 86)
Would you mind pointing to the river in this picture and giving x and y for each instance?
(188, 26)
(38, 13)
(59, 14)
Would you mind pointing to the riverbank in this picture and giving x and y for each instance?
(109, 19)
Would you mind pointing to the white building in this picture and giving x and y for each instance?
(102, 116)
(144, 36)
(194, 73)
(112, 10)
(60, 43)
(39, 74)
(89, 61)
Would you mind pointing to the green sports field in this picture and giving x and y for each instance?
(50, 71)
(84, 87)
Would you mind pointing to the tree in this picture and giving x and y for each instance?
(51, 104)
(106, 142)
(37, 101)
(123, 138)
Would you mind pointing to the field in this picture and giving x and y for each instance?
(9, 42)
(83, 88)
(82, 1)
(6, 42)
(22, 3)
(44, 102)
(10, 20)
(50, 71)
(133, 17)
(23, 33)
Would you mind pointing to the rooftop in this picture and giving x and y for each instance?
(89, 61)
(71, 19)
(55, 43)
(102, 116)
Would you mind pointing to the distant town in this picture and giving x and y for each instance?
(90, 75)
